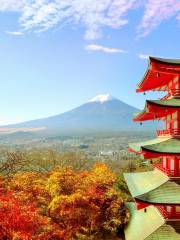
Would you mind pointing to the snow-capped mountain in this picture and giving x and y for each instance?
(104, 113)
(102, 98)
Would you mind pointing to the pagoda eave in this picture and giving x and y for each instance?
(159, 105)
(155, 203)
(159, 191)
(139, 184)
(158, 74)
(146, 116)
(157, 153)
(158, 147)
(131, 150)
(140, 204)
(148, 154)
(157, 109)
(165, 65)
(153, 81)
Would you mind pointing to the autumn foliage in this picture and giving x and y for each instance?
(61, 204)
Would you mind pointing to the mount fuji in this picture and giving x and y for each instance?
(102, 114)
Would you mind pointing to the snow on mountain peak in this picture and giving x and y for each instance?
(102, 98)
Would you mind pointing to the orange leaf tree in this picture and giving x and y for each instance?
(85, 203)
(75, 204)
(18, 220)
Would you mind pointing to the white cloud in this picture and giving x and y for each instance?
(100, 48)
(143, 56)
(92, 15)
(11, 5)
(15, 33)
(157, 11)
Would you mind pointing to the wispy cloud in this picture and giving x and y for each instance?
(15, 33)
(92, 15)
(143, 56)
(100, 48)
(157, 11)
(11, 5)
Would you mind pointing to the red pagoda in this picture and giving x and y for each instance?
(156, 212)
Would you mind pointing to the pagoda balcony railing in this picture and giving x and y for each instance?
(174, 92)
(168, 215)
(167, 171)
(171, 92)
(162, 211)
(173, 215)
(168, 132)
(166, 96)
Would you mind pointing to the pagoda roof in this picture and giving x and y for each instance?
(165, 232)
(157, 109)
(172, 102)
(153, 187)
(149, 225)
(159, 73)
(166, 60)
(167, 193)
(145, 116)
(157, 145)
(139, 184)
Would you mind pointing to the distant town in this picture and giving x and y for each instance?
(101, 147)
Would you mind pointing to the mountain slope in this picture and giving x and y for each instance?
(101, 114)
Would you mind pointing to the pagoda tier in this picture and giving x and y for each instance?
(170, 212)
(161, 75)
(167, 110)
(157, 147)
(159, 109)
(167, 149)
(149, 224)
(155, 188)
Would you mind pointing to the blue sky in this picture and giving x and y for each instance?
(56, 55)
